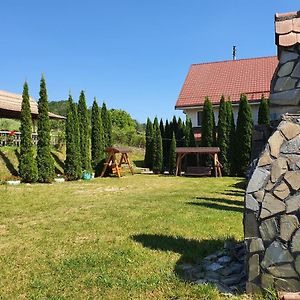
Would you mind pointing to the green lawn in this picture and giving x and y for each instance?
(114, 238)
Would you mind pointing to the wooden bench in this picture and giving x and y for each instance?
(198, 171)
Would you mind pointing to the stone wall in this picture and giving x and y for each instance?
(285, 85)
(272, 212)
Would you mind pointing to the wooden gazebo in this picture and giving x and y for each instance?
(211, 151)
(112, 163)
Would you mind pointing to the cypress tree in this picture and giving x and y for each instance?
(243, 137)
(72, 165)
(208, 125)
(148, 161)
(45, 161)
(157, 148)
(180, 137)
(97, 137)
(263, 111)
(84, 133)
(190, 142)
(174, 128)
(166, 146)
(107, 126)
(231, 137)
(27, 164)
(222, 139)
(162, 128)
(172, 156)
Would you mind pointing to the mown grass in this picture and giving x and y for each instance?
(113, 238)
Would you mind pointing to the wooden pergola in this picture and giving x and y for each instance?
(112, 163)
(211, 151)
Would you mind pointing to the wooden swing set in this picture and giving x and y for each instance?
(112, 163)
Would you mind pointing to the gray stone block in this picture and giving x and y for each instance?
(285, 84)
(271, 206)
(288, 224)
(297, 264)
(286, 69)
(254, 268)
(275, 142)
(259, 195)
(296, 72)
(288, 56)
(293, 179)
(291, 147)
(295, 246)
(267, 281)
(283, 271)
(265, 159)
(287, 285)
(278, 167)
(282, 191)
(268, 229)
(251, 203)
(289, 129)
(292, 204)
(276, 253)
(286, 98)
(256, 245)
(259, 177)
(250, 225)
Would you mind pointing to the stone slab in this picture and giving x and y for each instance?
(288, 224)
(254, 268)
(285, 84)
(256, 245)
(267, 281)
(268, 229)
(259, 195)
(265, 159)
(251, 203)
(271, 206)
(286, 98)
(278, 167)
(292, 204)
(289, 129)
(282, 191)
(283, 271)
(293, 179)
(258, 179)
(276, 253)
(288, 56)
(286, 69)
(290, 285)
(275, 142)
(296, 72)
(297, 264)
(292, 146)
(295, 245)
(250, 225)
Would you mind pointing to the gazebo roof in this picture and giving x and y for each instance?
(10, 107)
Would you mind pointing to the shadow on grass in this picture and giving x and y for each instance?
(217, 206)
(192, 251)
(139, 163)
(9, 164)
(234, 193)
(242, 184)
(220, 200)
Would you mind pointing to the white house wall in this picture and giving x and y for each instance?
(192, 113)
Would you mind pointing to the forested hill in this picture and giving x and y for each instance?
(125, 130)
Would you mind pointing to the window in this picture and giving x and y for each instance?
(199, 118)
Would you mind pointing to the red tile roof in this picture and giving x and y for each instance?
(228, 78)
(287, 29)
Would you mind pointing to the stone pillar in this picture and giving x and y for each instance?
(272, 212)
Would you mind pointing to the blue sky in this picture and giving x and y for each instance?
(132, 54)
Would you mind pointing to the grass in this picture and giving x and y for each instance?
(113, 238)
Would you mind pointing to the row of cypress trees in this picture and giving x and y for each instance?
(162, 140)
(40, 167)
(86, 138)
(234, 143)
(233, 140)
